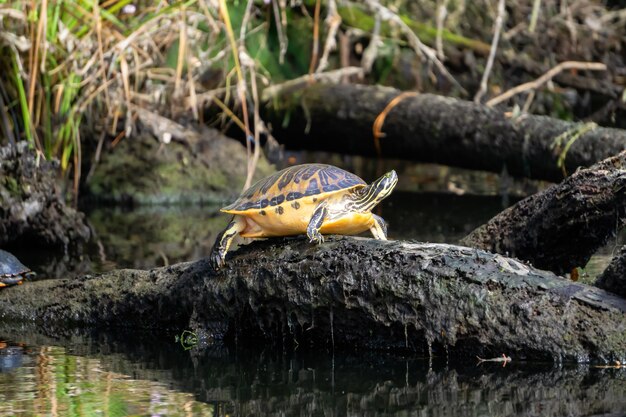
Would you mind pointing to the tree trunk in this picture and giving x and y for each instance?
(348, 292)
(430, 128)
(561, 227)
(613, 279)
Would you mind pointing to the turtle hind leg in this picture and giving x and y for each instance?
(9, 281)
(224, 239)
(315, 224)
(379, 228)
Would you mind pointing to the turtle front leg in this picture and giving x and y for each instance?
(315, 224)
(224, 239)
(379, 227)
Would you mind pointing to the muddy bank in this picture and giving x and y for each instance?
(349, 293)
(32, 212)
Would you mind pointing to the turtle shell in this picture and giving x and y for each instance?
(295, 183)
(12, 271)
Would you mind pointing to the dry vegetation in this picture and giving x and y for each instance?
(74, 74)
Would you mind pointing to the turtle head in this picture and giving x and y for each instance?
(368, 197)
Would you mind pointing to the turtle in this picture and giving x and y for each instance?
(12, 271)
(315, 199)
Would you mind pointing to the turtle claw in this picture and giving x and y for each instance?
(217, 259)
(317, 238)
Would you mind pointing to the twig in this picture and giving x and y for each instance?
(182, 46)
(316, 35)
(282, 39)
(333, 20)
(370, 53)
(497, 30)
(380, 119)
(442, 11)
(126, 84)
(504, 359)
(257, 129)
(534, 15)
(210, 19)
(533, 85)
(334, 77)
(615, 365)
(241, 82)
(244, 24)
(193, 98)
(414, 41)
(229, 112)
(98, 21)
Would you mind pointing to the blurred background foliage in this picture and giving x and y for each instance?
(74, 72)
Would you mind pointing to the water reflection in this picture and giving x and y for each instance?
(54, 383)
(134, 374)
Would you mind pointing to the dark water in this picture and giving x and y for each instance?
(118, 373)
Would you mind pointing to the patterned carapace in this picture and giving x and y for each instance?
(301, 181)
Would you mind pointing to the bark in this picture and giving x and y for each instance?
(561, 227)
(349, 292)
(614, 277)
(31, 211)
(430, 128)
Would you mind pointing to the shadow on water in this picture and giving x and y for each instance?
(126, 373)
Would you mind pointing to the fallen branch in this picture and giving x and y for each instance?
(430, 128)
(560, 228)
(347, 292)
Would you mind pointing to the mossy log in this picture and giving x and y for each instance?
(613, 278)
(353, 293)
(431, 128)
(199, 166)
(561, 227)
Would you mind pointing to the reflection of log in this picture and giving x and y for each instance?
(353, 292)
(431, 128)
(561, 227)
(267, 383)
(614, 277)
